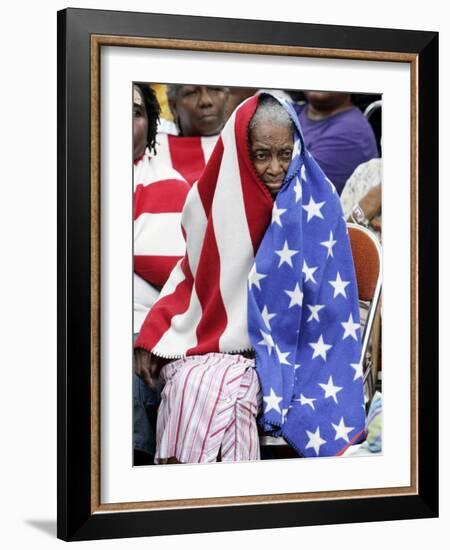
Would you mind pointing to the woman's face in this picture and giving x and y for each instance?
(140, 124)
(200, 110)
(271, 149)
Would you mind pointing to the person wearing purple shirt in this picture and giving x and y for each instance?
(337, 134)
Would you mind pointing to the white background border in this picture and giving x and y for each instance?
(28, 351)
(119, 481)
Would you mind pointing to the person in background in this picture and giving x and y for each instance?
(361, 198)
(159, 196)
(236, 96)
(199, 113)
(336, 132)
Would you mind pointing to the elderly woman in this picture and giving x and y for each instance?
(199, 113)
(262, 311)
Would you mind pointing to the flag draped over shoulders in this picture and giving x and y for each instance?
(203, 306)
(159, 196)
(303, 316)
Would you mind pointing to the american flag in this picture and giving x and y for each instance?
(159, 196)
(203, 306)
(187, 155)
(303, 315)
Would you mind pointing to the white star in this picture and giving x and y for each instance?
(266, 341)
(296, 296)
(254, 278)
(330, 389)
(309, 272)
(303, 172)
(357, 367)
(306, 401)
(342, 430)
(350, 328)
(286, 255)
(315, 441)
(297, 366)
(298, 191)
(282, 357)
(283, 414)
(320, 348)
(277, 213)
(296, 150)
(267, 317)
(313, 209)
(339, 286)
(329, 245)
(272, 402)
(314, 312)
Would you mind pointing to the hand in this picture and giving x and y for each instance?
(147, 366)
(376, 224)
(371, 202)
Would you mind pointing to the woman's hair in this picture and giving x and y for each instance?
(269, 110)
(172, 91)
(153, 110)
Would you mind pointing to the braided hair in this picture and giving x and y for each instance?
(153, 110)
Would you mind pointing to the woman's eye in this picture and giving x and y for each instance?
(260, 156)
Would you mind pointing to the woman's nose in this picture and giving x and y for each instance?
(205, 98)
(275, 167)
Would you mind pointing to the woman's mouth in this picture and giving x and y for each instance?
(274, 183)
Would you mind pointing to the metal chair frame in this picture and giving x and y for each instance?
(371, 307)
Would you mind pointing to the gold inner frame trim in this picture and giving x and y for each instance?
(97, 41)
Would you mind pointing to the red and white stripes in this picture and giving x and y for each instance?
(209, 403)
(159, 196)
(186, 155)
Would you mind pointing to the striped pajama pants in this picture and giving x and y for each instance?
(209, 404)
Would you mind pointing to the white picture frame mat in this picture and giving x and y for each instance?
(120, 482)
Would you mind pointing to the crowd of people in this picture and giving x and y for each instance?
(246, 317)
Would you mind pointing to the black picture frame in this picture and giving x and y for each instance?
(79, 517)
